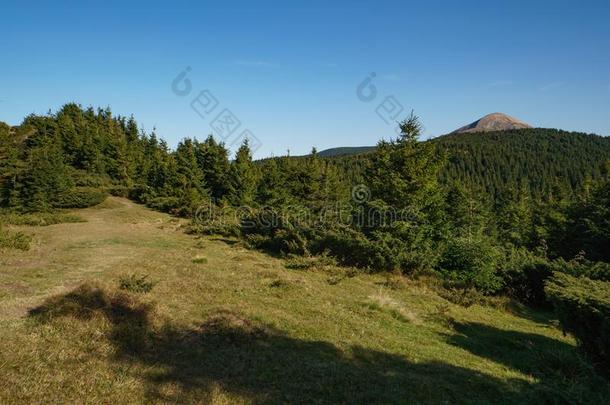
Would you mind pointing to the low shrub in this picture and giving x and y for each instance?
(139, 193)
(471, 262)
(276, 232)
(583, 308)
(353, 248)
(164, 204)
(402, 245)
(523, 276)
(82, 178)
(14, 240)
(580, 267)
(136, 283)
(279, 283)
(300, 263)
(81, 197)
(459, 295)
(119, 191)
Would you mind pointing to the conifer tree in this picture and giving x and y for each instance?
(45, 178)
(243, 177)
(187, 180)
(213, 159)
(9, 165)
(403, 172)
(272, 189)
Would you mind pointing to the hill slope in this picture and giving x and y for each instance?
(227, 325)
(545, 161)
(493, 122)
(346, 151)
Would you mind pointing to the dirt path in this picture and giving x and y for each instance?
(118, 237)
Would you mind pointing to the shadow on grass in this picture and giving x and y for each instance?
(558, 367)
(253, 361)
(539, 314)
(226, 240)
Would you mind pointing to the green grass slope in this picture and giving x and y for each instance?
(224, 324)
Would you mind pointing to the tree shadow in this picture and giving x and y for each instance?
(557, 366)
(225, 240)
(539, 314)
(261, 364)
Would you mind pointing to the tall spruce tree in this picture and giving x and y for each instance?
(213, 159)
(243, 177)
(188, 181)
(404, 172)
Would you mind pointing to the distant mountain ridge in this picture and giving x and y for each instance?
(346, 151)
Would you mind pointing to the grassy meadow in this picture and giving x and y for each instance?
(225, 324)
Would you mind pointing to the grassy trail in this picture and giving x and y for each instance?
(224, 324)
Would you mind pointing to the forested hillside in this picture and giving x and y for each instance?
(543, 163)
(548, 163)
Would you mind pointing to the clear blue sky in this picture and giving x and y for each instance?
(289, 70)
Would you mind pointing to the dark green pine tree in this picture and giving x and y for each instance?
(467, 217)
(156, 164)
(325, 186)
(243, 177)
(272, 189)
(10, 165)
(70, 123)
(188, 183)
(513, 217)
(213, 159)
(404, 172)
(587, 228)
(45, 178)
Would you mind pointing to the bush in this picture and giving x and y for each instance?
(14, 240)
(136, 284)
(471, 262)
(465, 297)
(164, 204)
(399, 246)
(353, 248)
(119, 191)
(80, 197)
(580, 267)
(270, 230)
(523, 276)
(215, 221)
(82, 178)
(583, 308)
(139, 193)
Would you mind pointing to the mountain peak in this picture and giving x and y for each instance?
(493, 122)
